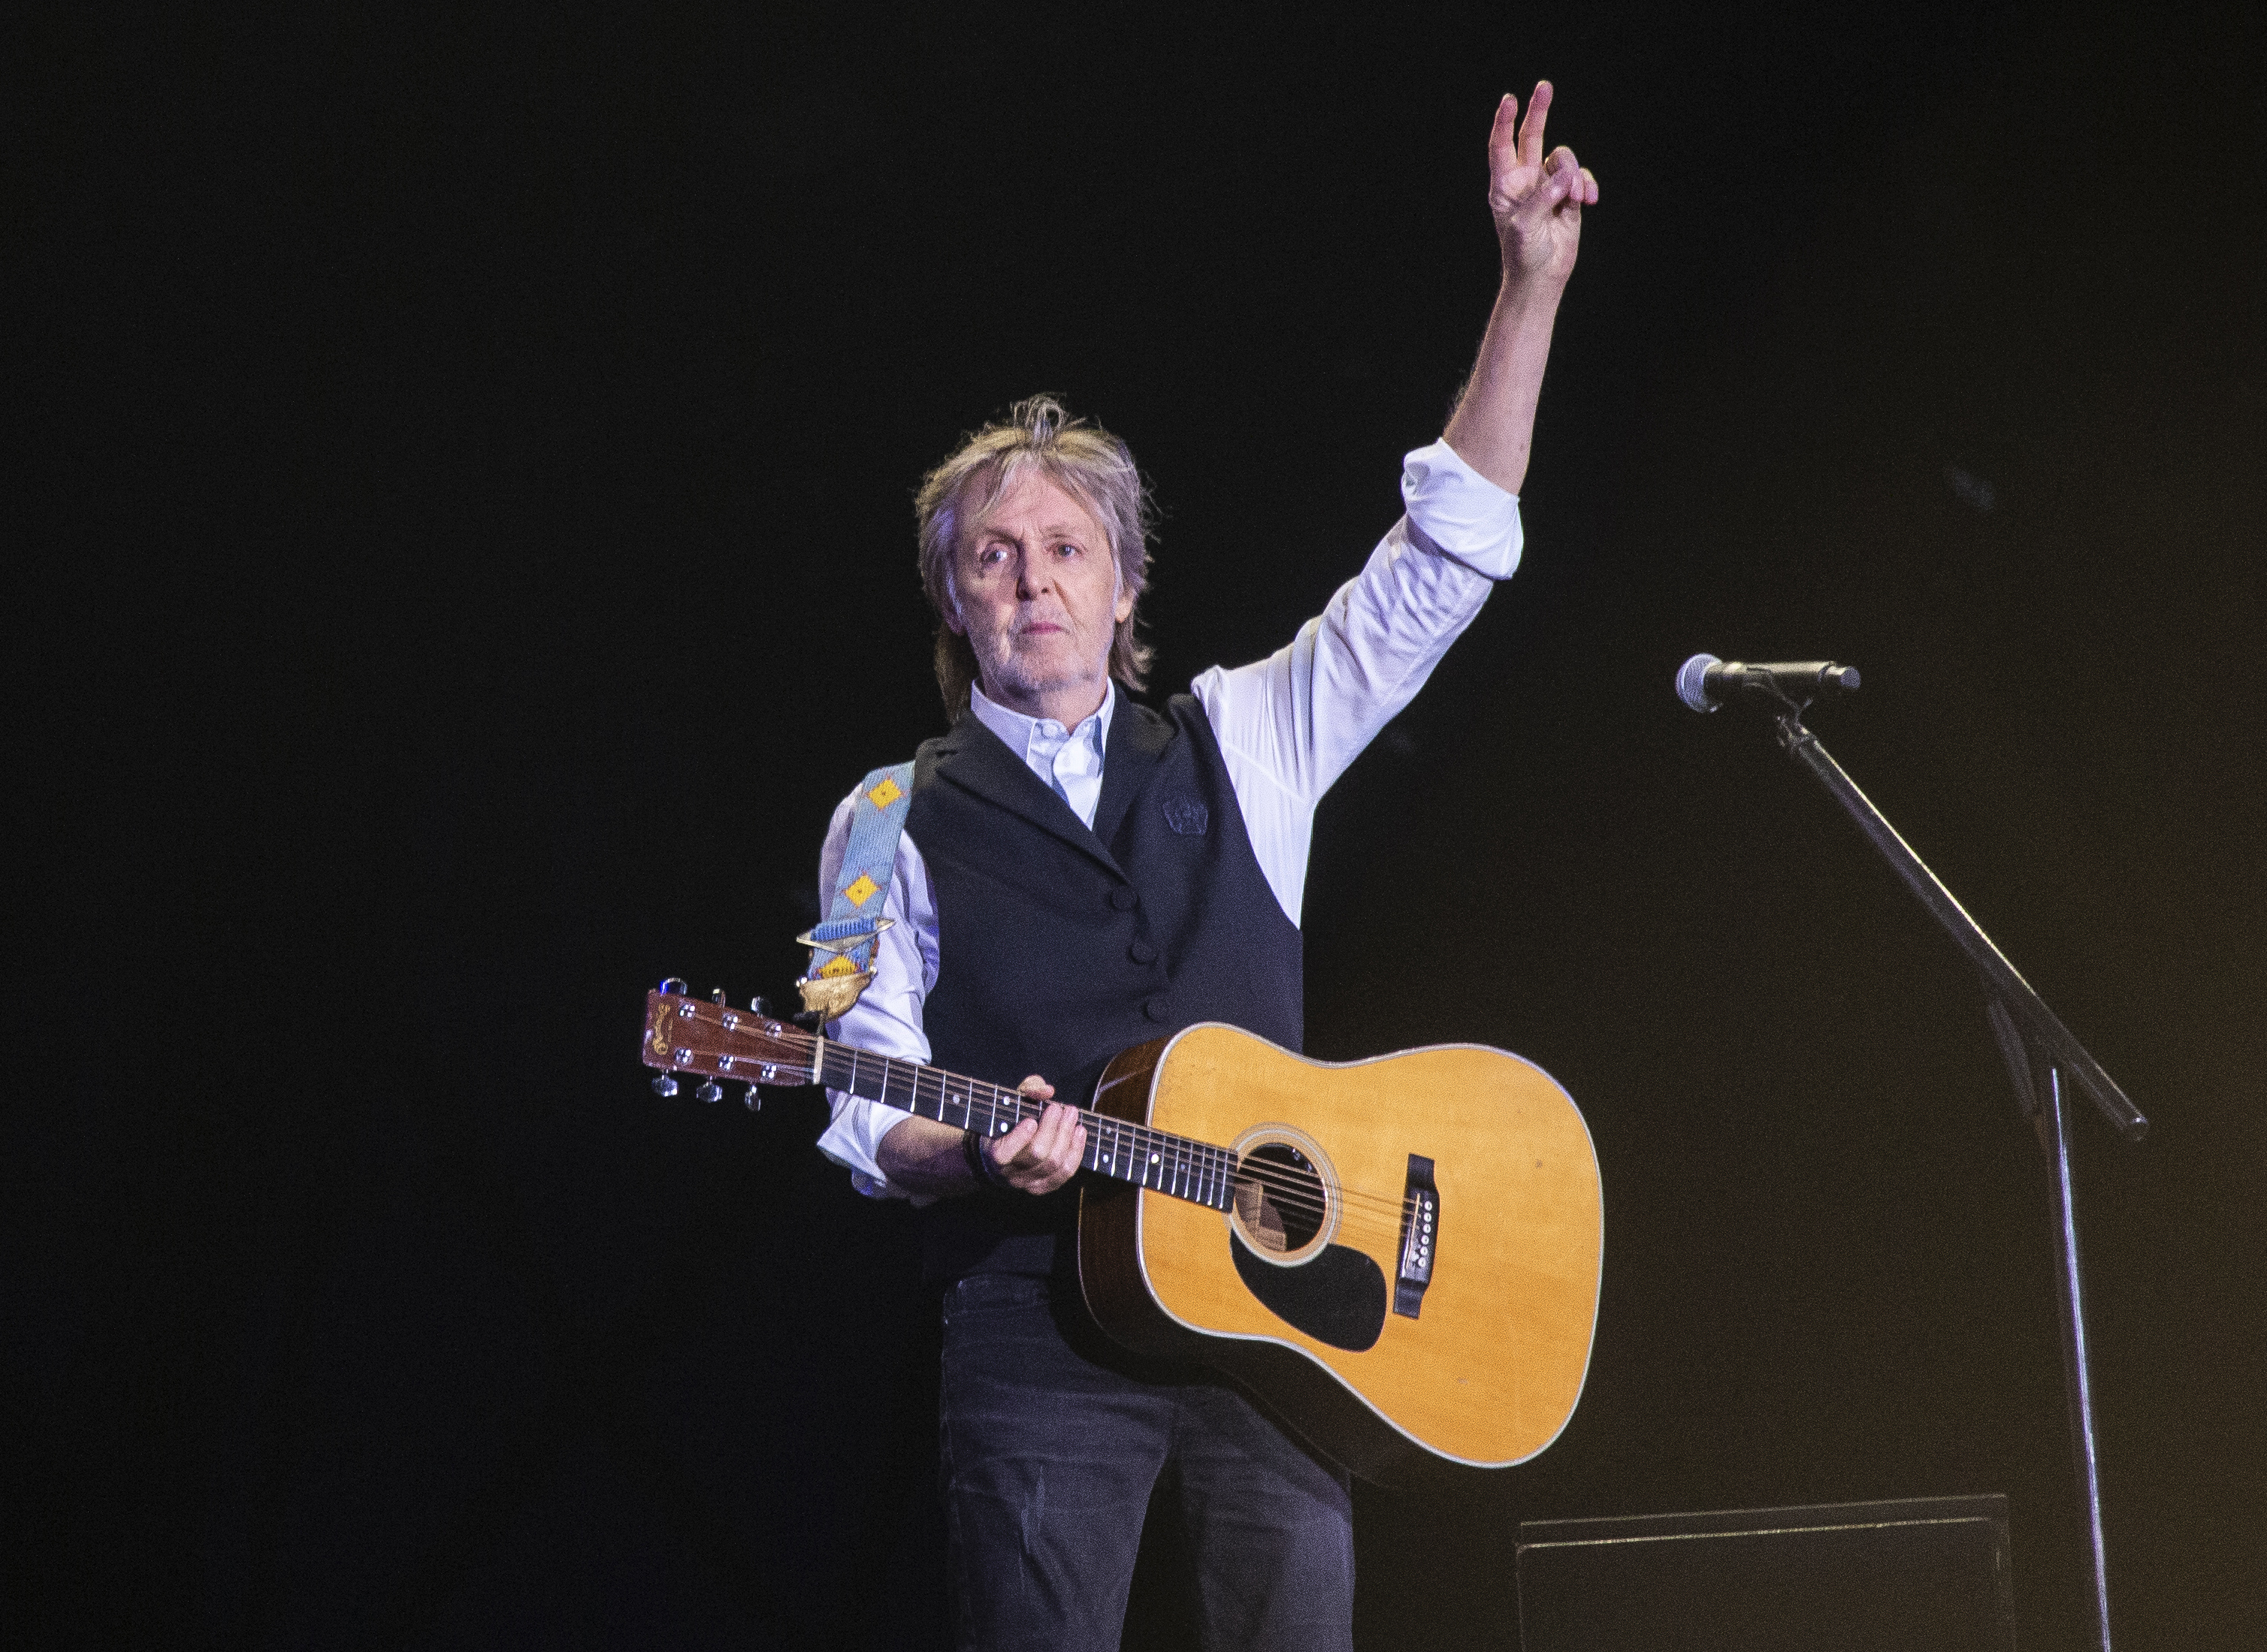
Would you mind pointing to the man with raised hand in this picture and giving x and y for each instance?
(1078, 873)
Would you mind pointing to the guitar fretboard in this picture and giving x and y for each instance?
(1175, 1165)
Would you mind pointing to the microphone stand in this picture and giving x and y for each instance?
(2043, 1059)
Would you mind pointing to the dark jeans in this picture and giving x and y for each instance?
(1050, 1454)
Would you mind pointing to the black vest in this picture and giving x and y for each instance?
(1060, 946)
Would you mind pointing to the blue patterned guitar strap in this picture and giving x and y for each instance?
(843, 947)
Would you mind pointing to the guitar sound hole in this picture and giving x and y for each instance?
(1279, 1197)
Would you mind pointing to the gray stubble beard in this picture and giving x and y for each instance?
(1005, 671)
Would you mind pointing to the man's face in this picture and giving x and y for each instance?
(1037, 599)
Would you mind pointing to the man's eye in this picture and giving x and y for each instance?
(1066, 549)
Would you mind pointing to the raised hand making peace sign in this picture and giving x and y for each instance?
(1537, 202)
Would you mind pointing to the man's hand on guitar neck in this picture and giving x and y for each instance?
(1040, 1154)
(930, 1160)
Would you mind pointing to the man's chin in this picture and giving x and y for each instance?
(1028, 678)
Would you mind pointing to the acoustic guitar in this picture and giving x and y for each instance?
(1399, 1256)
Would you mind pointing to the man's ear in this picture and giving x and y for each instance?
(1124, 606)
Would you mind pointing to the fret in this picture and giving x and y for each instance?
(1171, 1164)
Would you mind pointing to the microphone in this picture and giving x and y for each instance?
(1704, 682)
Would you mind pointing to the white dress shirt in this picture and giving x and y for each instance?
(1288, 726)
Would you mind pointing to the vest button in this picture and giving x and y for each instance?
(1141, 952)
(1154, 1008)
(1123, 898)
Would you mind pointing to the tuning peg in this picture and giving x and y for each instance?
(715, 994)
(758, 1005)
(673, 986)
(710, 1090)
(664, 1084)
(755, 1100)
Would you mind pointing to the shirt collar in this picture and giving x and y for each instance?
(1017, 731)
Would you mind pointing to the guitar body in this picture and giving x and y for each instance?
(1307, 1304)
(1399, 1256)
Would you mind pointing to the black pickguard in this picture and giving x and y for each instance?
(1337, 1297)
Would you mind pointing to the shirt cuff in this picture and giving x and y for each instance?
(854, 1141)
(1456, 511)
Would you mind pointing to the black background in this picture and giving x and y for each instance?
(465, 538)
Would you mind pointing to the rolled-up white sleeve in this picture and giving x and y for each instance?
(1289, 725)
(887, 1018)
(1458, 513)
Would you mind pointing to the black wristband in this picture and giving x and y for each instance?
(980, 1165)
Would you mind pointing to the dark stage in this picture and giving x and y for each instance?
(464, 532)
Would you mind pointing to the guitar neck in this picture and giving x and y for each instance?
(684, 1033)
(1175, 1165)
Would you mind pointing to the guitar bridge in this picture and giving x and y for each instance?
(1420, 1228)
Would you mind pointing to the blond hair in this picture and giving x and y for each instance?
(1086, 461)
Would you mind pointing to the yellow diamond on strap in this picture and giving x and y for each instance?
(862, 890)
(885, 794)
(838, 965)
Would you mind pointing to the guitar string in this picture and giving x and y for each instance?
(1360, 1211)
(1287, 1187)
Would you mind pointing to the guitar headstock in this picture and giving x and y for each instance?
(684, 1033)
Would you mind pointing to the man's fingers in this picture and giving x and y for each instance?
(1041, 1154)
(1503, 138)
(1566, 178)
(1036, 1087)
(1050, 1135)
(1062, 1164)
(1005, 1150)
(1531, 131)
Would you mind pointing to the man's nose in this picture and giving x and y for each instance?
(1030, 577)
